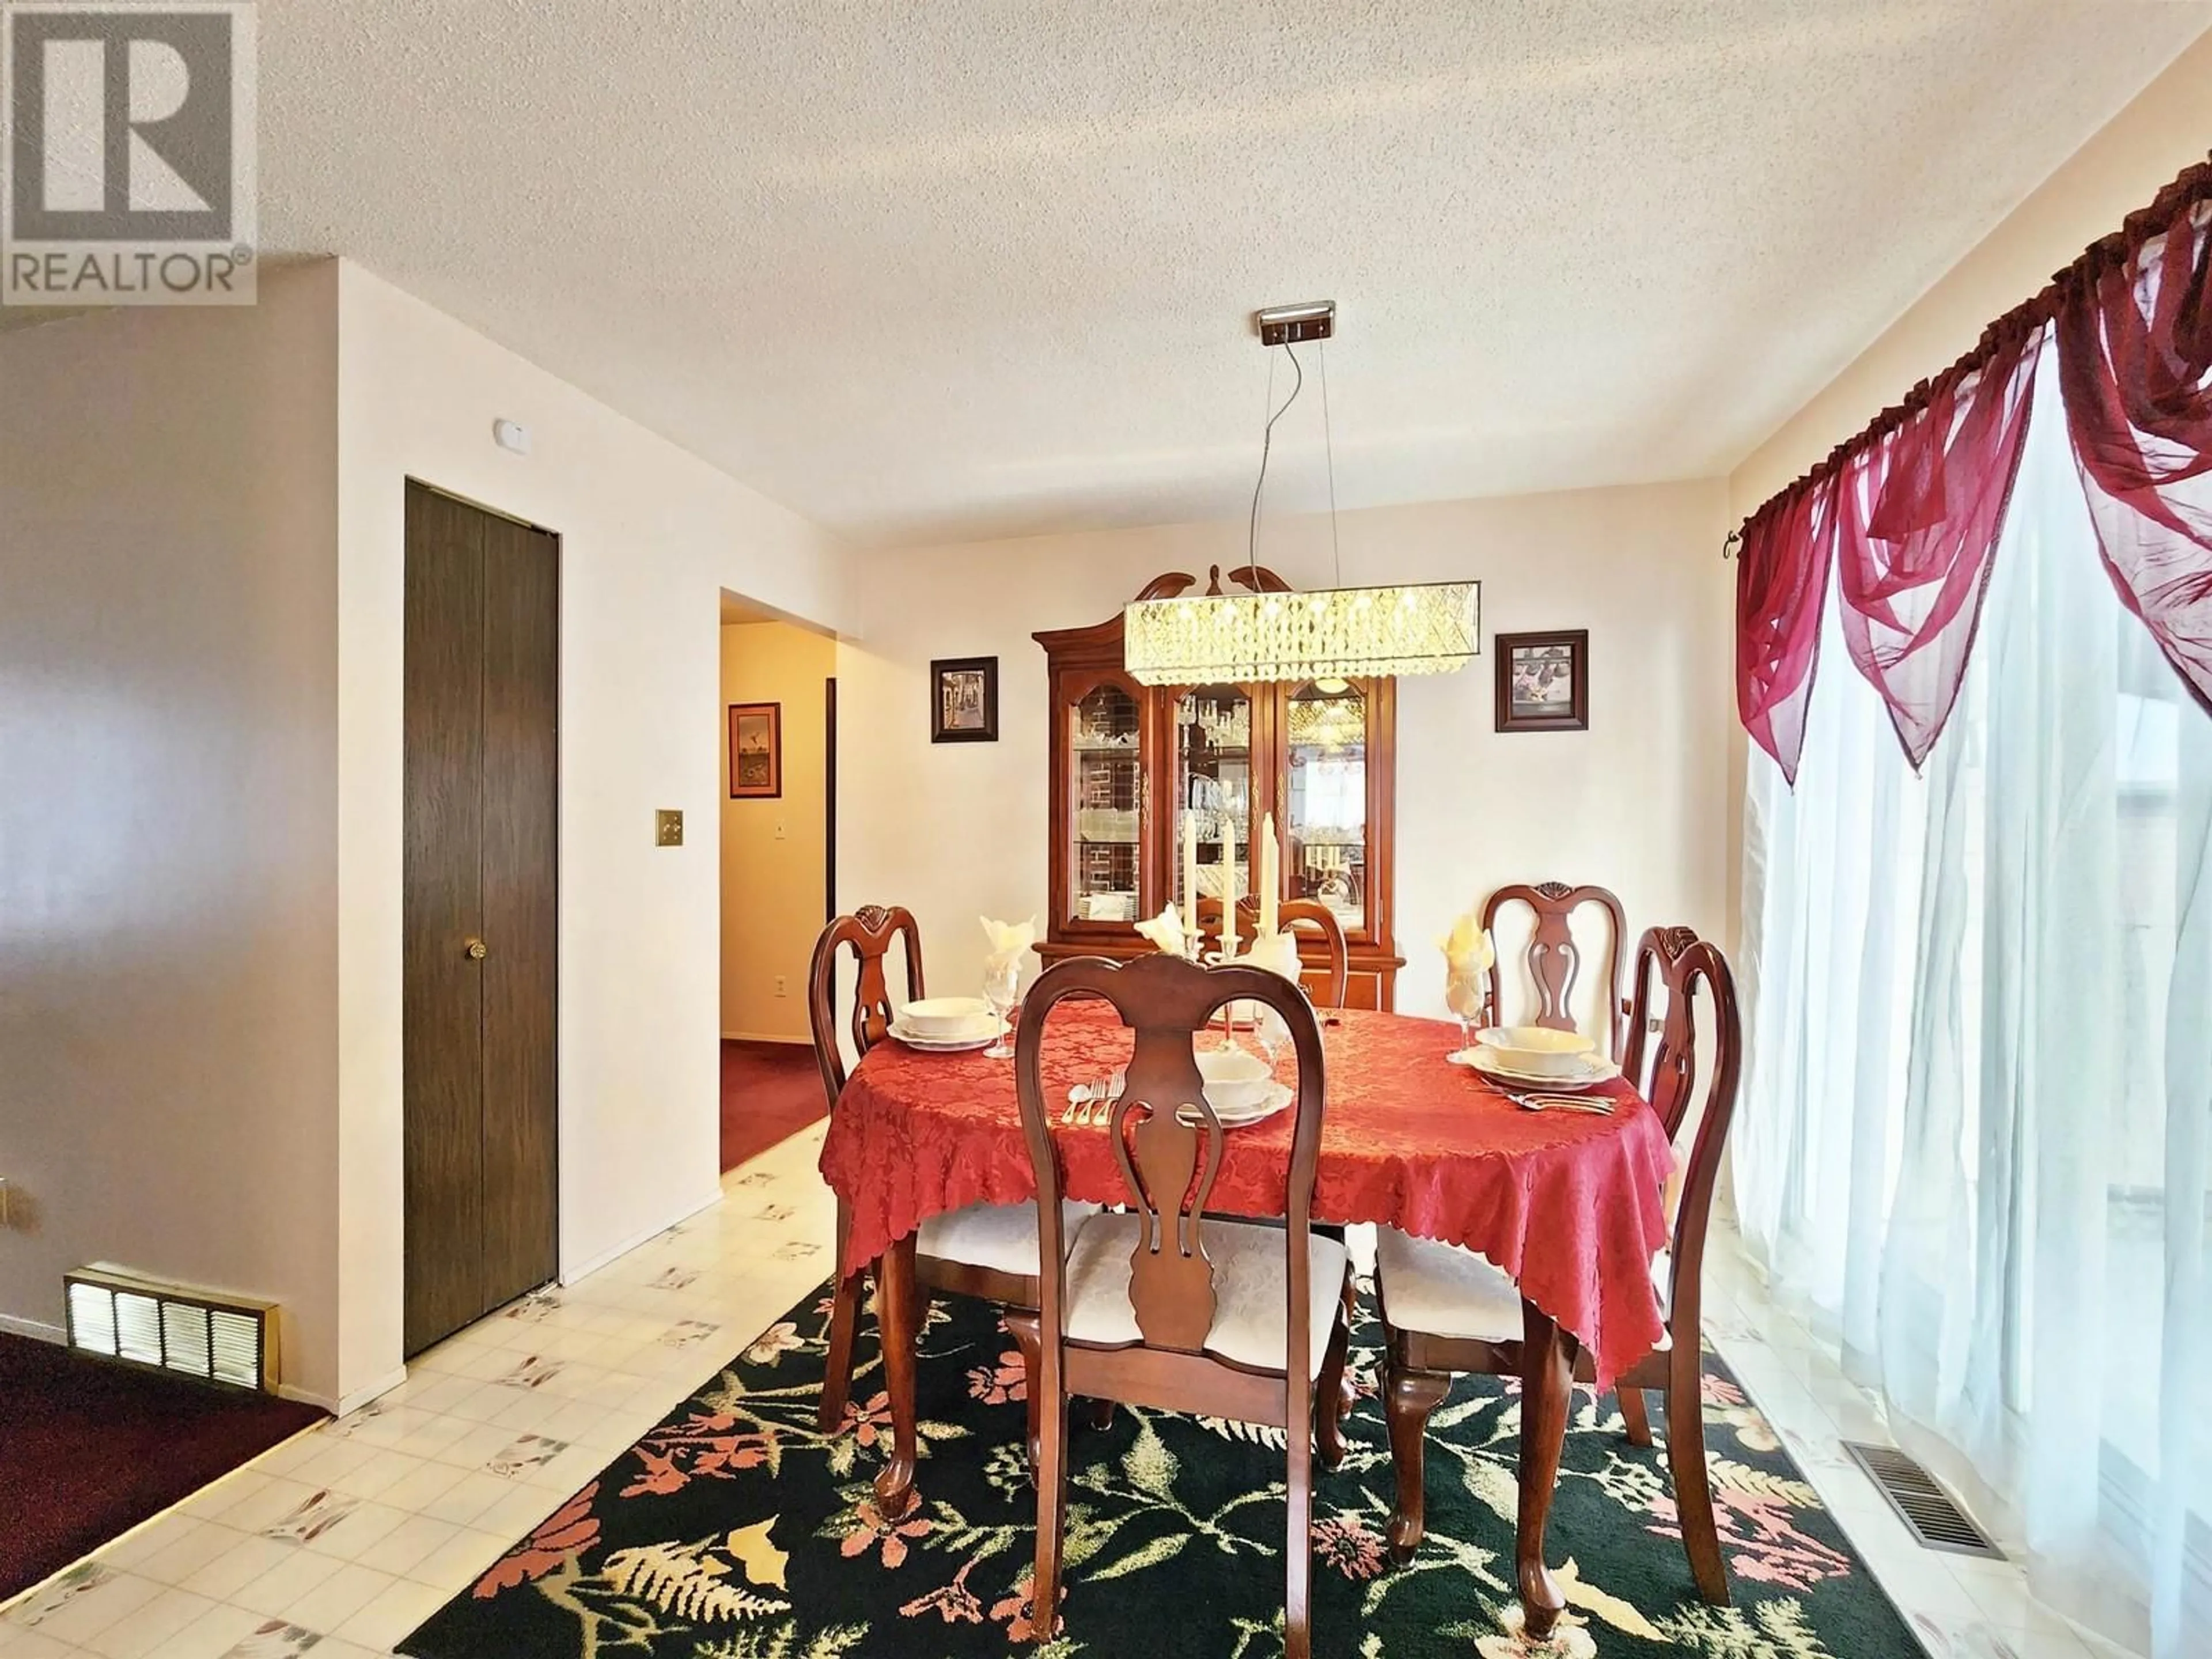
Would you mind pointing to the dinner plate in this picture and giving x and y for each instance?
(1277, 1096)
(931, 1045)
(1484, 1063)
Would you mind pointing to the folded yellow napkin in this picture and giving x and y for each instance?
(1165, 932)
(1467, 948)
(1009, 938)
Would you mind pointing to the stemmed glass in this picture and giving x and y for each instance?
(1463, 995)
(1002, 984)
(1267, 1028)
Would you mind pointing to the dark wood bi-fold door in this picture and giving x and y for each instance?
(481, 911)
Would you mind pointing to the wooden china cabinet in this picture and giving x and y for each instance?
(1128, 761)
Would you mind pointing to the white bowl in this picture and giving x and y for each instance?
(1234, 1078)
(945, 1017)
(1538, 1051)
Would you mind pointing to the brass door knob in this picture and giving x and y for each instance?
(478, 949)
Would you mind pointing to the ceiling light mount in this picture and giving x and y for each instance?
(1313, 320)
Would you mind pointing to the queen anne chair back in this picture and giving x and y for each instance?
(868, 933)
(1667, 1073)
(1553, 959)
(1167, 1138)
(1295, 916)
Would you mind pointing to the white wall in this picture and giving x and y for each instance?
(649, 538)
(168, 740)
(1636, 803)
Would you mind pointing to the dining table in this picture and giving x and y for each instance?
(1570, 1204)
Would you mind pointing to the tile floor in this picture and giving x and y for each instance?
(345, 1537)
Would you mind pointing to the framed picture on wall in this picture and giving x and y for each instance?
(1543, 681)
(756, 750)
(964, 700)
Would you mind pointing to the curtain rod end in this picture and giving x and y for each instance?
(1733, 542)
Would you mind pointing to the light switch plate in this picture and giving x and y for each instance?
(669, 826)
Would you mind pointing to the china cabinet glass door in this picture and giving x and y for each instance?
(1106, 805)
(1326, 834)
(1215, 750)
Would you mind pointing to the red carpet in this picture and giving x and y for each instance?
(770, 1091)
(88, 1450)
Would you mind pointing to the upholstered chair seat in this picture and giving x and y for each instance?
(1251, 1291)
(1440, 1290)
(999, 1238)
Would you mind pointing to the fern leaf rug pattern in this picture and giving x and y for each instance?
(735, 1530)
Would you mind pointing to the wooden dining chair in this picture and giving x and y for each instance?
(1554, 958)
(986, 1251)
(1298, 915)
(1447, 1310)
(1162, 1304)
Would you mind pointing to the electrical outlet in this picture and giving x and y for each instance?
(782, 988)
(669, 826)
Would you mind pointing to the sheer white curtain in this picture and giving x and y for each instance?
(1977, 1139)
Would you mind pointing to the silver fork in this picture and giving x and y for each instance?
(1082, 1097)
(1100, 1112)
(1561, 1103)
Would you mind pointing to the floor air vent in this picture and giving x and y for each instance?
(1929, 1513)
(219, 1339)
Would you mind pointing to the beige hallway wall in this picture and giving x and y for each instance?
(775, 852)
(168, 796)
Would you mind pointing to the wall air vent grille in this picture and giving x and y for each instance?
(229, 1339)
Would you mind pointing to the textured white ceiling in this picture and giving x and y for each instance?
(950, 269)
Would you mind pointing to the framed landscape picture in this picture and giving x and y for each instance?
(964, 700)
(1543, 681)
(756, 750)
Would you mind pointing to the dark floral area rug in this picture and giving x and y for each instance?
(735, 1531)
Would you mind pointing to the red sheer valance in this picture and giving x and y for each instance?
(1920, 512)
(1781, 587)
(2135, 358)
(1909, 514)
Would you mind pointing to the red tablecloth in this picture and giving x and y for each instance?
(1568, 1203)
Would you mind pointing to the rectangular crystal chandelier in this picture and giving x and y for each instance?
(1341, 633)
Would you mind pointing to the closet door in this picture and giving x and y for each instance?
(479, 912)
(521, 714)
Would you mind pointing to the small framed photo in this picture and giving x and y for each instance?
(756, 750)
(1543, 681)
(964, 702)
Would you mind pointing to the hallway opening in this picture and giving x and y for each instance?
(777, 740)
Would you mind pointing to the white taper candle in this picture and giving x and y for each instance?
(1228, 887)
(1189, 873)
(1269, 861)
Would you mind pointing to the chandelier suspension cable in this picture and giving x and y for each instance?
(1323, 638)
(1328, 443)
(1266, 442)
